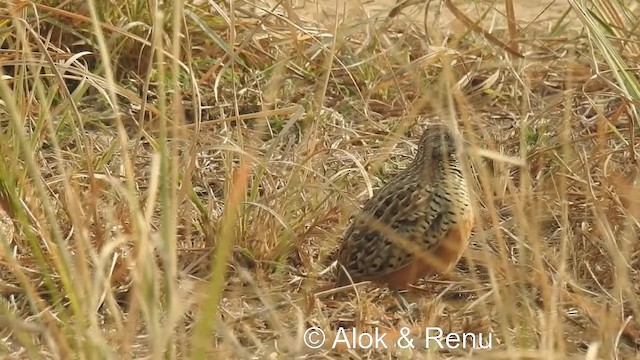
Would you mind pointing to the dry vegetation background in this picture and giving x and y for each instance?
(175, 177)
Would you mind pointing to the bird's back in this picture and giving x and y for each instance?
(407, 217)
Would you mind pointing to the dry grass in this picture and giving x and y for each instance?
(174, 181)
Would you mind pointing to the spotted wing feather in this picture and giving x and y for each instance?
(412, 211)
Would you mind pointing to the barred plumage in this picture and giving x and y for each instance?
(418, 224)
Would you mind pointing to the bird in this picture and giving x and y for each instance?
(417, 225)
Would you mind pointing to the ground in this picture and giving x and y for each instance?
(527, 12)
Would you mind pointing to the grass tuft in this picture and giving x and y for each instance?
(175, 178)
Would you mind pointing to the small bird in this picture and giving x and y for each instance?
(417, 225)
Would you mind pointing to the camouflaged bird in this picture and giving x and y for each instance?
(417, 225)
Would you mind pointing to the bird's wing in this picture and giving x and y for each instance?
(393, 225)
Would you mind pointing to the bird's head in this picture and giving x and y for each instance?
(437, 143)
